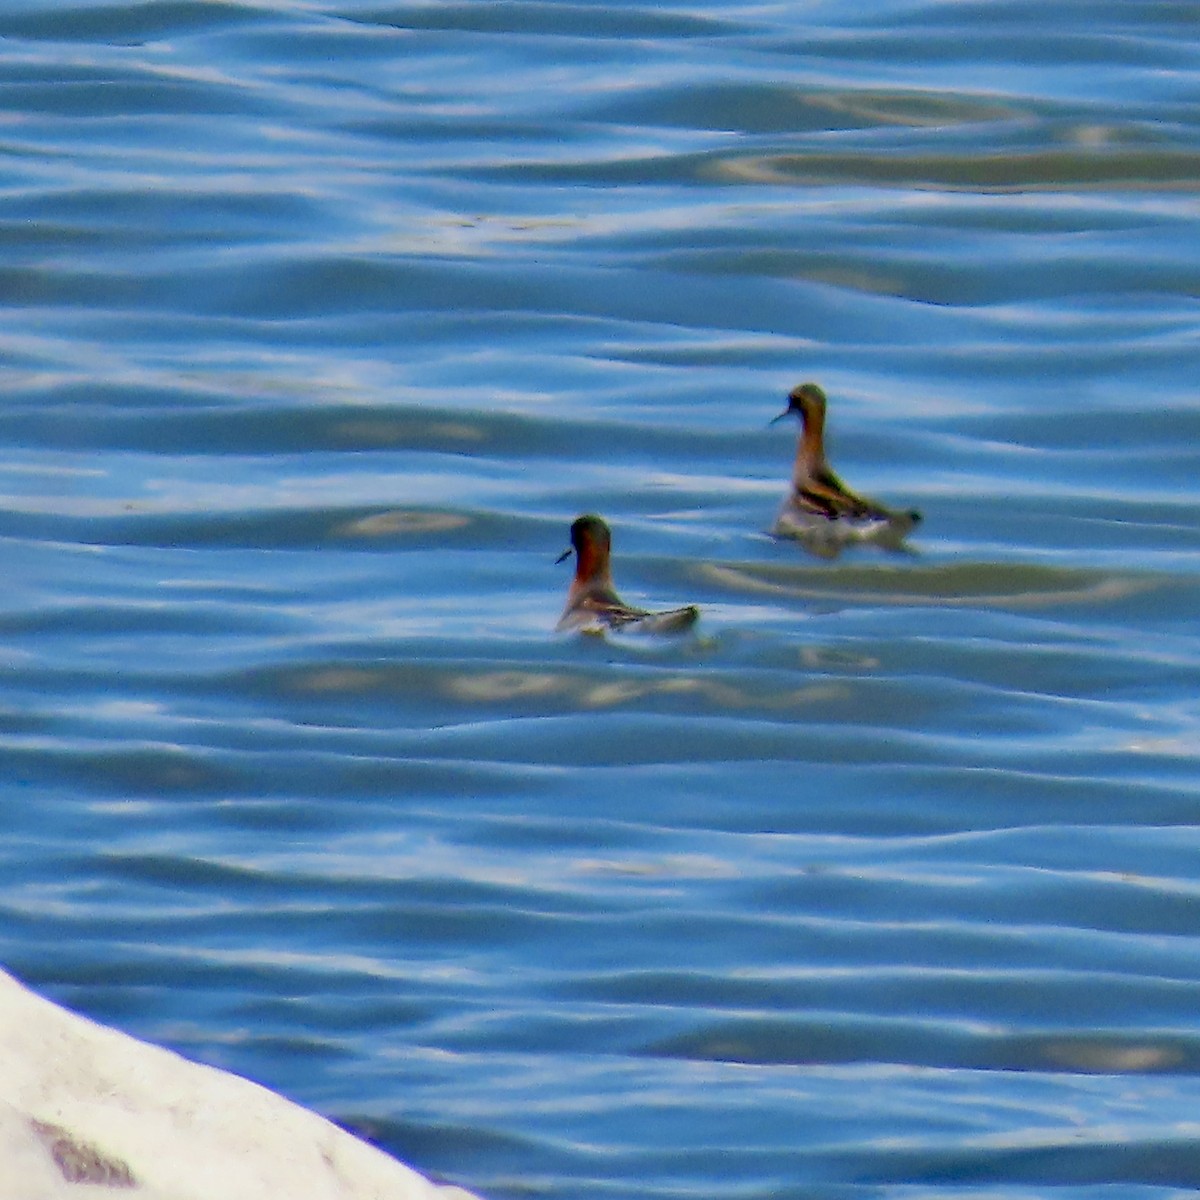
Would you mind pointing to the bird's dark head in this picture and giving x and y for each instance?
(591, 539)
(807, 401)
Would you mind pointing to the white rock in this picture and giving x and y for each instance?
(87, 1112)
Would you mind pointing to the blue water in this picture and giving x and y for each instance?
(323, 321)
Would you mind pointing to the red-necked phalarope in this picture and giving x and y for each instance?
(820, 510)
(592, 601)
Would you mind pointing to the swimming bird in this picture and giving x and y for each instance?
(592, 601)
(820, 510)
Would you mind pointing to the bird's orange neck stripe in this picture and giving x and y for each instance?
(811, 451)
(591, 562)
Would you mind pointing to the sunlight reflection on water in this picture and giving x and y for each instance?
(322, 325)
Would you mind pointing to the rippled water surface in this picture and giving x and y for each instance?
(321, 323)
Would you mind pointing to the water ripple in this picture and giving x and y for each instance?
(323, 323)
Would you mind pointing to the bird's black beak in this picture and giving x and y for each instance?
(564, 555)
(787, 412)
